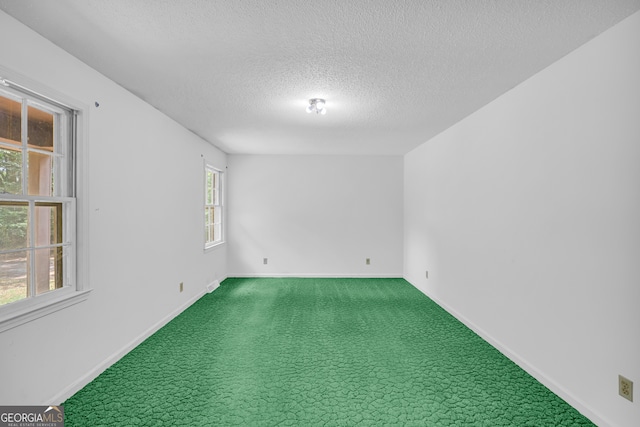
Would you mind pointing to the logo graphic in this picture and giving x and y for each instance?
(31, 416)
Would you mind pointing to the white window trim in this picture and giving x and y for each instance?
(21, 312)
(221, 188)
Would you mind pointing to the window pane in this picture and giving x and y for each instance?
(48, 224)
(208, 221)
(209, 189)
(217, 215)
(214, 190)
(48, 269)
(36, 159)
(10, 120)
(217, 232)
(40, 129)
(10, 171)
(212, 210)
(13, 225)
(40, 174)
(13, 277)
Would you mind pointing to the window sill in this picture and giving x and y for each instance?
(34, 311)
(213, 246)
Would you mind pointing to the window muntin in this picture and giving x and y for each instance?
(213, 207)
(37, 204)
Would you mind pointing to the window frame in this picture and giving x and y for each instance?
(218, 202)
(75, 287)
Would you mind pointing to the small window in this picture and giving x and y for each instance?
(213, 213)
(37, 200)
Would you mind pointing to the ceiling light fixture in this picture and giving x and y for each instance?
(317, 105)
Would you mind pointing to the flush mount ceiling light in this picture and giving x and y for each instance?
(317, 105)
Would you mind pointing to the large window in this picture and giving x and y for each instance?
(213, 207)
(37, 198)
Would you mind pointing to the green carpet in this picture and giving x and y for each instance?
(316, 352)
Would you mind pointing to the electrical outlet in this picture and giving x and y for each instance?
(368, 261)
(181, 286)
(625, 388)
(265, 261)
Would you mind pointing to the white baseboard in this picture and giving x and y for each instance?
(69, 391)
(517, 359)
(552, 385)
(213, 286)
(320, 275)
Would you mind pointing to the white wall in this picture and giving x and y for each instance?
(525, 213)
(315, 215)
(145, 232)
(527, 216)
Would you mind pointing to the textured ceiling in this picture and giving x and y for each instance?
(239, 73)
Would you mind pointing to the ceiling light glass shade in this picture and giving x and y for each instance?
(317, 105)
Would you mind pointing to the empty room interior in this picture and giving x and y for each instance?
(289, 207)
